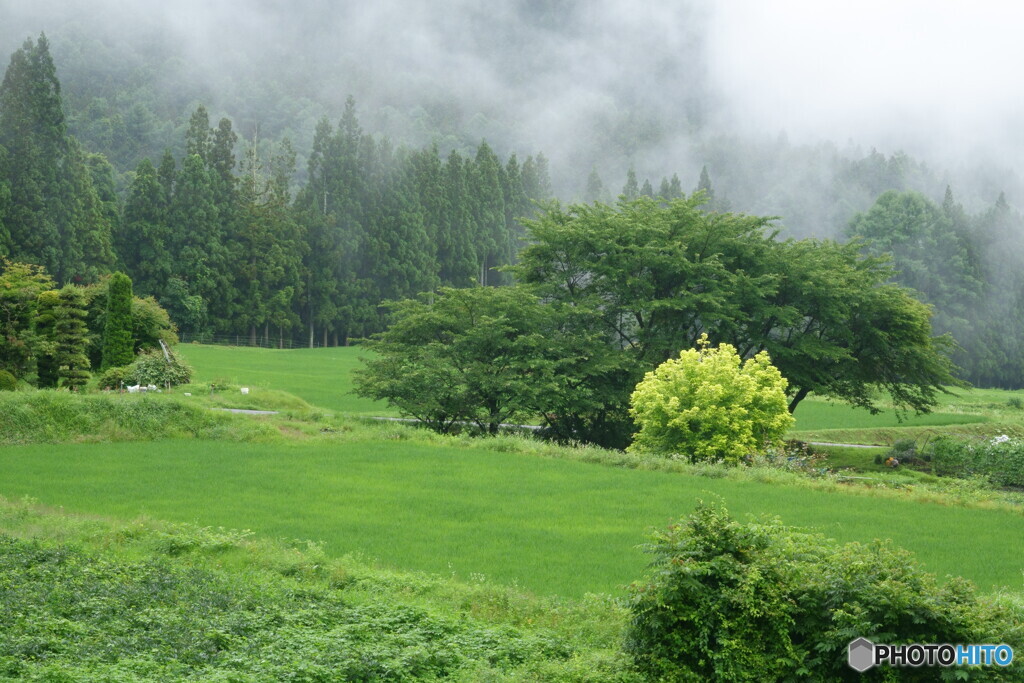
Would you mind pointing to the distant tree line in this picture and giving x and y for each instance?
(226, 248)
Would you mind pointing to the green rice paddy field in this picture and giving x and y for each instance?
(320, 376)
(552, 526)
(548, 525)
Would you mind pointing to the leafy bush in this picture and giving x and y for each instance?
(726, 600)
(150, 367)
(710, 405)
(1015, 402)
(7, 381)
(1001, 459)
(113, 378)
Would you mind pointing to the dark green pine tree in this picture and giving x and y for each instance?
(315, 210)
(142, 241)
(5, 206)
(517, 204)
(675, 188)
(406, 265)
(70, 333)
(33, 131)
(55, 218)
(664, 190)
(118, 342)
(457, 250)
(647, 190)
(195, 236)
(714, 204)
(267, 247)
(199, 135)
(429, 186)
(487, 209)
(704, 185)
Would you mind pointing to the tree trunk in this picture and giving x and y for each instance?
(799, 396)
(310, 334)
(252, 335)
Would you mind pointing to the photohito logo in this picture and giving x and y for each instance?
(862, 654)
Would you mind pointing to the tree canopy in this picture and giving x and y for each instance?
(654, 276)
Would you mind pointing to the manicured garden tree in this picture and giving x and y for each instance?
(118, 344)
(709, 404)
(47, 304)
(70, 331)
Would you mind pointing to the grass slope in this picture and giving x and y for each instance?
(321, 377)
(552, 526)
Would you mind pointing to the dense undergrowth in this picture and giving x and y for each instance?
(87, 600)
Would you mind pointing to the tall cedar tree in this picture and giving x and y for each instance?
(70, 332)
(55, 216)
(118, 344)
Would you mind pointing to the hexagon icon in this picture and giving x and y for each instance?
(861, 655)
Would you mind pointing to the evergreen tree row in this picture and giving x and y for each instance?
(229, 252)
(58, 207)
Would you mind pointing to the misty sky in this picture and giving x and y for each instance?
(935, 78)
(931, 76)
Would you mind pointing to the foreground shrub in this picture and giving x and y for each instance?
(732, 601)
(708, 404)
(7, 381)
(1001, 459)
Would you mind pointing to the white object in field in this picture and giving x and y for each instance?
(134, 389)
(151, 387)
(245, 390)
(188, 393)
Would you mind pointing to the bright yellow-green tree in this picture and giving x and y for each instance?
(709, 404)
